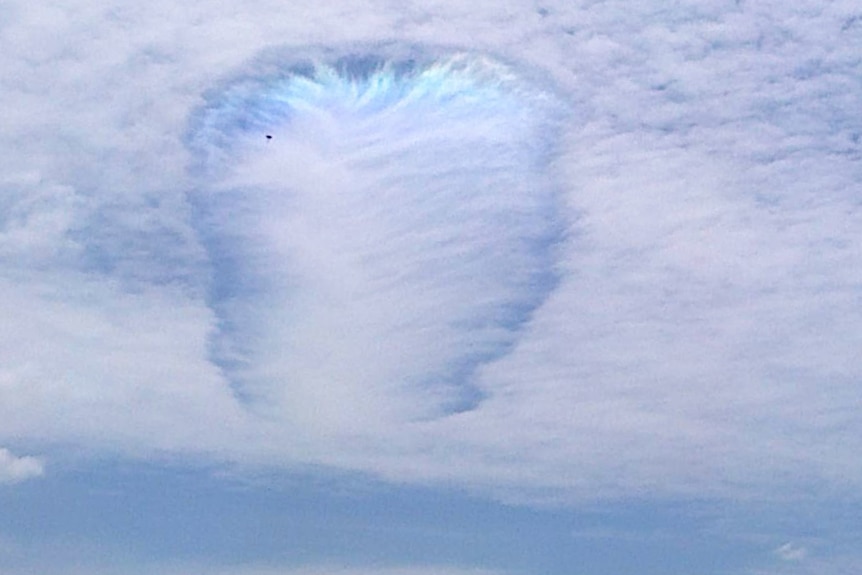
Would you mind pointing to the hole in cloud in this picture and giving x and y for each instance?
(378, 225)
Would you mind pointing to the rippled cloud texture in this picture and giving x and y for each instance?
(555, 255)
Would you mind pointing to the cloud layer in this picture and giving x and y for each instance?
(702, 334)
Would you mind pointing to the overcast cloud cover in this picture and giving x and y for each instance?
(578, 254)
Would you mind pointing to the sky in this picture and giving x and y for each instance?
(430, 288)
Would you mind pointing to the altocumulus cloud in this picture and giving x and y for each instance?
(662, 298)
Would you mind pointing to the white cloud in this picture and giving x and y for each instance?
(14, 469)
(838, 563)
(704, 335)
(791, 552)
